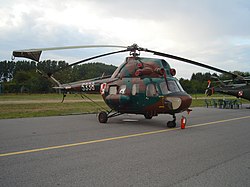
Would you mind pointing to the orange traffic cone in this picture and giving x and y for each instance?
(183, 122)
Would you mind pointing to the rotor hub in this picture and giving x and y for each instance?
(135, 50)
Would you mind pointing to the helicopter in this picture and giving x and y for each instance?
(140, 85)
(238, 87)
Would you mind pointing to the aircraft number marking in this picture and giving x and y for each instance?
(88, 86)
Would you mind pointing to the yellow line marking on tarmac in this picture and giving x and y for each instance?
(116, 138)
(220, 121)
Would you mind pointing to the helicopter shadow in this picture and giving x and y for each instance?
(138, 120)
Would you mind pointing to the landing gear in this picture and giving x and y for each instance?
(103, 117)
(148, 115)
(172, 124)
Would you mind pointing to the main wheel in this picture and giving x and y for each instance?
(148, 115)
(103, 117)
(171, 124)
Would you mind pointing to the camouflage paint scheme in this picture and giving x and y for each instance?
(139, 86)
(237, 90)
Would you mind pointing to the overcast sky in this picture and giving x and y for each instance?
(215, 32)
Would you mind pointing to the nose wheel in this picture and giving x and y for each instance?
(172, 124)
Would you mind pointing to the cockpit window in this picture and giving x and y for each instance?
(180, 87)
(164, 88)
(173, 86)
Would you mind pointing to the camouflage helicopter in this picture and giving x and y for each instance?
(139, 85)
(238, 86)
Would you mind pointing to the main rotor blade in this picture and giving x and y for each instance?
(90, 58)
(194, 63)
(34, 54)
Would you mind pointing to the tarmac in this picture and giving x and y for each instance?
(76, 150)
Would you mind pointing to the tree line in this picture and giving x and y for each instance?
(21, 76)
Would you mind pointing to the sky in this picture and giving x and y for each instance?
(215, 32)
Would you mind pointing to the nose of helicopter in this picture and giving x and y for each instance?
(178, 102)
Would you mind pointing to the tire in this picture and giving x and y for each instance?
(171, 124)
(103, 117)
(148, 115)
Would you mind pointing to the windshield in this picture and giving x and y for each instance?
(163, 87)
(180, 87)
(173, 86)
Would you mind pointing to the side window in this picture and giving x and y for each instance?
(122, 89)
(151, 91)
(113, 90)
(135, 89)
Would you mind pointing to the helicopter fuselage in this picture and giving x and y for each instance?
(145, 86)
(139, 86)
(147, 95)
(239, 91)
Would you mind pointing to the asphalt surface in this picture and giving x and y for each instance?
(213, 150)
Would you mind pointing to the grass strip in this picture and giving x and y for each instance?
(40, 108)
